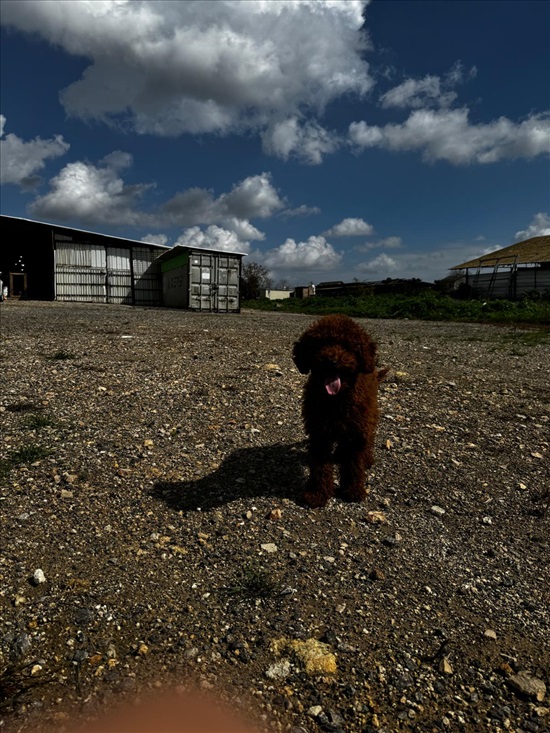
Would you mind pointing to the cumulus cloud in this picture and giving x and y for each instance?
(155, 238)
(539, 227)
(98, 194)
(254, 197)
(308, 142)
(350, 228)
(315, 254)
(20, 161)
(169, 68)
(429, 91)
(117, 160)
(93, 195)
(381, 265)
(214, 237)
(449, 135)
(302, 210)
(418, 93)
(387, 243)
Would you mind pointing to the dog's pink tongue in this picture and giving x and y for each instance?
(332, 386)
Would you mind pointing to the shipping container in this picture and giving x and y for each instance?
(201, 280)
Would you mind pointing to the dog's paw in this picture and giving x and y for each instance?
(354, 495)
(315, 500)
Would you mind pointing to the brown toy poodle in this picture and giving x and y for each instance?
(340, 406)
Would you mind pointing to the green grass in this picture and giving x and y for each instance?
(426, 306)
(254, 582)
(26, 454)
(61, 355)
(37, 422)
(528, 338)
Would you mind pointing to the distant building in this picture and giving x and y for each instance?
(394, 286)
(509, 272)
(275, 294)
(304, 291)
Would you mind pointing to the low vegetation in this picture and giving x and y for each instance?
(24, 455)
(426, 306)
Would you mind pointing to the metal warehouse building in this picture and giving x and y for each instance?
(512, 271)
(42, 261)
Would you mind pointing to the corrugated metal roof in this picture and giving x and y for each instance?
(530, 251)
(85, 231)
(179, 248)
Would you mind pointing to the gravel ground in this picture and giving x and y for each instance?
(152, 533)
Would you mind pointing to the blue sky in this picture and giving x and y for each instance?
(327, 139)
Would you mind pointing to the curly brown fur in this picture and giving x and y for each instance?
(340, 406)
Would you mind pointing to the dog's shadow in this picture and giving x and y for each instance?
(269, 471)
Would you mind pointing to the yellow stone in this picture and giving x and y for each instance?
(314, 656)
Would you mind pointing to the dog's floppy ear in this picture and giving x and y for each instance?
(301, 353)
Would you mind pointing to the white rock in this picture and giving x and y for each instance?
(269, 547)
(38, 577)
(314, 711)
(278, 670)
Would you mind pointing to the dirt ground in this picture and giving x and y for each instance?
(152, 535)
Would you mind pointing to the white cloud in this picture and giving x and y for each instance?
(381, 265)
(429, 91)
(242, 228)
(97, 194)
(387, 243)
(214, 237)
(20, 160)
(418, 93)
(302, 210)
(350, 228)
(457, 75)
(307, 142)
(315, 254)
(169, 68)
(117, 160)
(254, 197)
(155, 238)
(93, 195)
(539, 227)
(448, 135)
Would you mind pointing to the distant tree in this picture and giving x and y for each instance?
(281, 284)
(254, 278)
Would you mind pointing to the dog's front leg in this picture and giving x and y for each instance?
(354, 459)
(320, 485)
